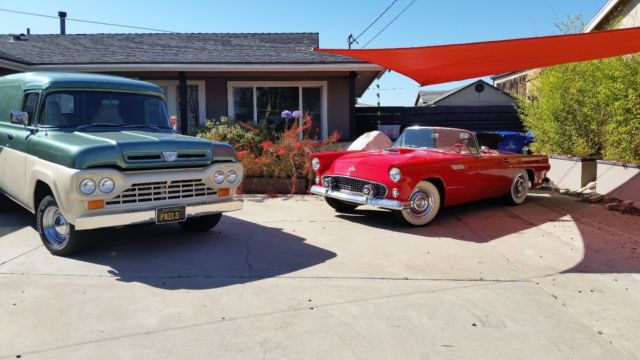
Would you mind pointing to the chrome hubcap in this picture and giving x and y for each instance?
(519, 187)
(421, 203)
(55, 227)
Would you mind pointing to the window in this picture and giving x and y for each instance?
(30, 104)
(263, 102)
(75, 108)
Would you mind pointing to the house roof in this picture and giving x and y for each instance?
(169, 48)
(432, 97)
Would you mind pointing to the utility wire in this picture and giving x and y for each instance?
(389, 24)
(374, 21)
(86, 21)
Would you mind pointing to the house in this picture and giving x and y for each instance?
(477, 93)
(247, 76)
(614, 14)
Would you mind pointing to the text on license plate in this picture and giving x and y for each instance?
(172, 214)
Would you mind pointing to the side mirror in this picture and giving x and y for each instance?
(20, 118)
(484, 149)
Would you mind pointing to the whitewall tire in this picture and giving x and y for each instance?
(519, 188)
(424, 205)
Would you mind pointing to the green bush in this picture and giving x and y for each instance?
(587, 109)
(240, 135)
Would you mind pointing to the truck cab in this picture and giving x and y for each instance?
(87, 151)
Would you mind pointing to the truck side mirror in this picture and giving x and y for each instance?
(20, 118)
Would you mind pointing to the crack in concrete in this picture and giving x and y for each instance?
(20, 255)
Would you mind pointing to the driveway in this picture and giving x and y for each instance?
(288, 278)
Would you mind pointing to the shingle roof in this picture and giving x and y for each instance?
(171, 48)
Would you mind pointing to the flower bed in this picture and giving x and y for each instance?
(267, 154)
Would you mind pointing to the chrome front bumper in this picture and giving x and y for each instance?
(149, 216)
(357, 199)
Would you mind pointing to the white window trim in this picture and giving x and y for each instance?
(172, 106)
(324, 131)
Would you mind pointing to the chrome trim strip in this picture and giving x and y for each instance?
(149, 216)
(358, 199)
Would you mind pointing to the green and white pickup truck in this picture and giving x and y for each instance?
(85, 151)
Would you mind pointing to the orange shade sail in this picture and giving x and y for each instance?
(439, 64)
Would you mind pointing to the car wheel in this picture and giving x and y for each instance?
(424, 204)
(57, 234)
(340, 206)
(201, 223)
(519, 188)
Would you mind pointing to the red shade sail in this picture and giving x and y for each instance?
(439, 64)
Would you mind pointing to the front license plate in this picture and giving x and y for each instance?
(170, 215)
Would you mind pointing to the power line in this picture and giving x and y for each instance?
(376, 20)
(390, 22)
(86, 21)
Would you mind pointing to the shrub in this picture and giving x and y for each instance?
(588, 109)
(267, 153)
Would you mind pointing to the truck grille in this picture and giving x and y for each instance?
(162, 191)
(346, 183)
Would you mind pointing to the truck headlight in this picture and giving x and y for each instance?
(394, 174)
(87, 186)
(106, 185)
(232, 176)
(218, 177)
(315, 163)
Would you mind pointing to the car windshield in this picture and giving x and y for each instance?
(85, 109)
(454, 141)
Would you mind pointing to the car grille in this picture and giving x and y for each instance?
(162, 191)
(346, 183)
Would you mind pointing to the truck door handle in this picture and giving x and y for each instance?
(10, 136)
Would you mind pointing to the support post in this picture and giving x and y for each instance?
(353, 126)
(184, 111)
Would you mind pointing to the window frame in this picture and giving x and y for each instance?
(297, 84)
(32, 118)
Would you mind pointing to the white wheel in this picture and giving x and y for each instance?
(424, 204)
(519, 188)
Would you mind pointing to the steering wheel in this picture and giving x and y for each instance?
(461, 148)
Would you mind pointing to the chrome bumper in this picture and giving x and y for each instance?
(357, 199)
(149, 216)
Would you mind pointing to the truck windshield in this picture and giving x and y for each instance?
(107, 109)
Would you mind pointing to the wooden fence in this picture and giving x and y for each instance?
(474, 118)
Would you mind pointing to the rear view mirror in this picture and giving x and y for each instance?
(20, 118)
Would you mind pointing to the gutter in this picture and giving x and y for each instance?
(205, 67)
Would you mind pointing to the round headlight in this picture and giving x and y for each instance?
(106, 185)
(218, 177)
(394, 174)
(315, 163)
(232, 176)
(87, 186)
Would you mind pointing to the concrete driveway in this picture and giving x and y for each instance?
(288, 278)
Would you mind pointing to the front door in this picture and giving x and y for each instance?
(15, 145)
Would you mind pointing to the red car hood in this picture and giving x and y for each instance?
(350, 164)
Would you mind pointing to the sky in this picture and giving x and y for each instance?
(425, 22)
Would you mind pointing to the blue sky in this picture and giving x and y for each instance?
(426, 22)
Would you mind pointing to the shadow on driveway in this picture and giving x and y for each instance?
(606, 249)
(235, 252)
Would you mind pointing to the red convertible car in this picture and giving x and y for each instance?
(427, 168)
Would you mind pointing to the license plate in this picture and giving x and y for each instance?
(171, 215)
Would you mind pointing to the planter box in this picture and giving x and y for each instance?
(256, 185)
(570, 172)
(619, 180)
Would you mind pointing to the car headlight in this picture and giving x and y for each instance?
(87, 186)
(218, 177)
(106, 185)
(394, 174)
(315, 163)
(232, 176)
